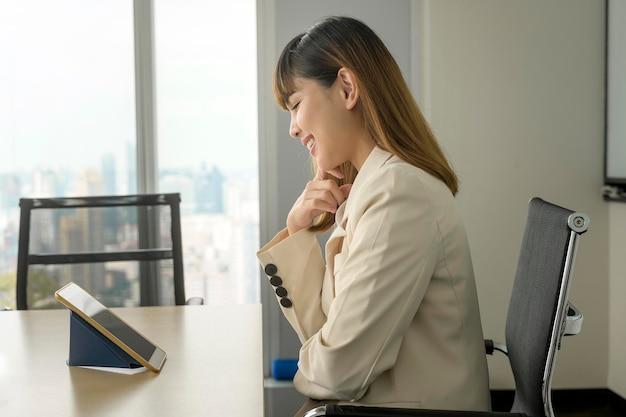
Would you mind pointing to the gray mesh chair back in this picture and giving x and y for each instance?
(125, 250)
(539, 316)
(539, 304)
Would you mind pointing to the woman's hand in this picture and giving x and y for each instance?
(320, 195)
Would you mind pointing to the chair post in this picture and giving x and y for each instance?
(26, 206)
(149, 274)
(177, 249)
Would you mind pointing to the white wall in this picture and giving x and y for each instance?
(516, 97)
(617, 293)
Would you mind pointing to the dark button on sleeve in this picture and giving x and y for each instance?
(276, 281)
(281, 292)
(285, 302)
(270, 269)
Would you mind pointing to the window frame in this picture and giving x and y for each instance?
(145, 98)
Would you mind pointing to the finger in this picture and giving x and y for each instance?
(320, 175)
(325, 196)
(328, 191)
(345, 190)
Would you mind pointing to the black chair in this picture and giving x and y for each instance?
(539, 315)
(126, 250)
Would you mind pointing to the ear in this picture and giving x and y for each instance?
(348, 87)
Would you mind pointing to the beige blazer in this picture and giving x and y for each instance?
(391, 318)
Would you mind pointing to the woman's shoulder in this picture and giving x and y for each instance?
(401, 173)
(386, 173)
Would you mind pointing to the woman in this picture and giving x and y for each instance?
(391, 316)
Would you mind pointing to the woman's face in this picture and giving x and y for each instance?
(324, 123)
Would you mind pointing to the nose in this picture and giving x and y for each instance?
(294, 129)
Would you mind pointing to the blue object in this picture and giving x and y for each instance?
(284, 369)
(89, 347)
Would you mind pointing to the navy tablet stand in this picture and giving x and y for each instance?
(89, 347)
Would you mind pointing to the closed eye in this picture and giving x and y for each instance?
(295, 106)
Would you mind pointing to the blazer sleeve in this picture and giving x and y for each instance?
(394, 244)
(295, 267)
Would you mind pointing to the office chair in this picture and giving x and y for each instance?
(539, 315)
(126, 250)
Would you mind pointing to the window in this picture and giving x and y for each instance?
(205, 59)
(68, 124)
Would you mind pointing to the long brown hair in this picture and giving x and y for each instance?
(388, 110)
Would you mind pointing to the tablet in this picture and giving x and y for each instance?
(112, 326)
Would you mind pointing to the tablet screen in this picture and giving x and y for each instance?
(124, 333)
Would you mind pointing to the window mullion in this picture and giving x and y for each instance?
(147, 162)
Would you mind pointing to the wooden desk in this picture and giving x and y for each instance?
(214, 365)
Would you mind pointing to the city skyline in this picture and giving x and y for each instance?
(220, 238)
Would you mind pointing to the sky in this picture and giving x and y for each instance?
(67, 82)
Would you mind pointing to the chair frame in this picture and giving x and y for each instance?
(578, 224)
(566, 321)
(25, 259)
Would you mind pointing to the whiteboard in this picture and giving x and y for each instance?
(615, 158)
